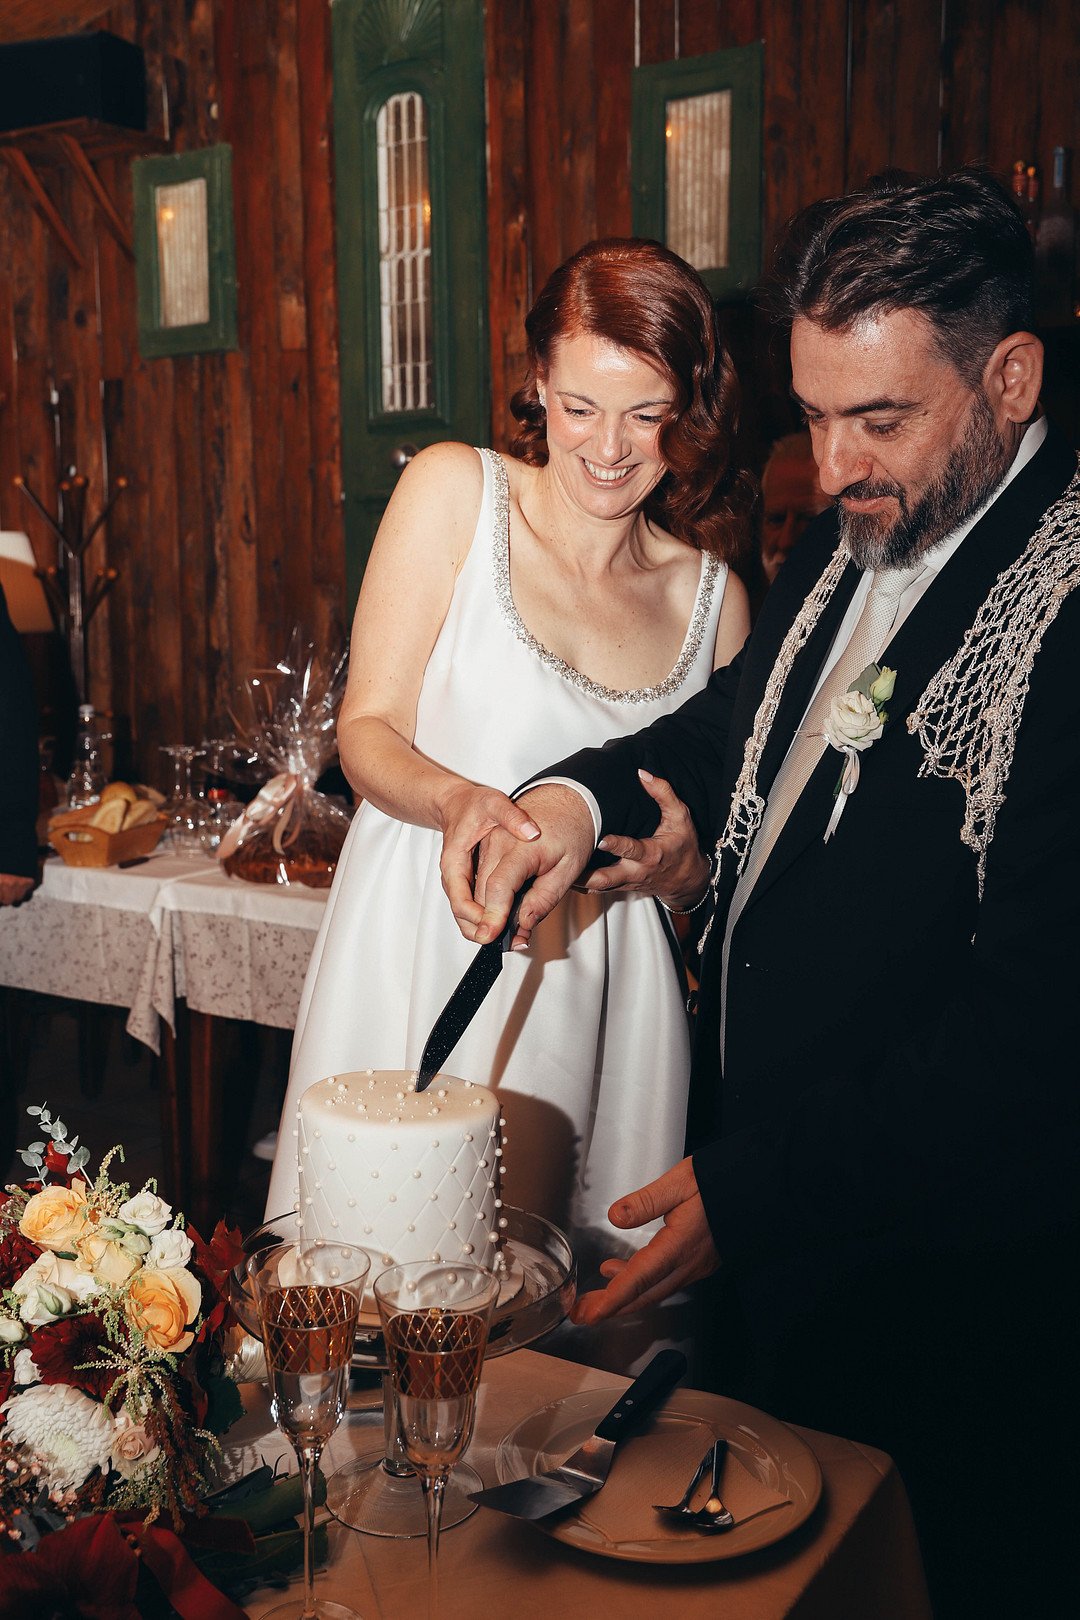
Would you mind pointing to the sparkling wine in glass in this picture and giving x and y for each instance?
(435, 1321)
(308, 1296)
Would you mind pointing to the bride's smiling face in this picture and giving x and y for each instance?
(605, 408)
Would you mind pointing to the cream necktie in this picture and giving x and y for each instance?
(868, 639)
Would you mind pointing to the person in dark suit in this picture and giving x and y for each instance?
(888, 1028)
(18, 766)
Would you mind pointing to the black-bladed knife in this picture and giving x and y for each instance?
(462, 1007)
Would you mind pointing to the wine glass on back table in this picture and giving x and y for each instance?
(435, 1321)
(308, 1296)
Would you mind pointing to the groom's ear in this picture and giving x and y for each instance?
(1012, 377)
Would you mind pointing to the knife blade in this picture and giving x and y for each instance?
(466, 998)
(584, 1472)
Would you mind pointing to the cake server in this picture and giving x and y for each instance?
(460, 1010)
(583, 1473)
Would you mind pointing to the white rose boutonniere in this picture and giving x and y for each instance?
(856, 719)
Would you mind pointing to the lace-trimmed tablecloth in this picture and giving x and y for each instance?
(174, 927)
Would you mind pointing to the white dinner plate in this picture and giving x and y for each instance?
(764, 1446)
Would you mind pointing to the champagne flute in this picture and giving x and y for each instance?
(435, 1321)
(308, 1296)
(183, 808)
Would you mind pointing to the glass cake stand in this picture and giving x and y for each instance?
(378, 1492)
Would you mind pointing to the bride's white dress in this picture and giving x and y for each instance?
(585, 1036)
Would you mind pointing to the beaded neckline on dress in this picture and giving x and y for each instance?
(644, 694)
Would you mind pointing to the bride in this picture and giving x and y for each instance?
(575, 589)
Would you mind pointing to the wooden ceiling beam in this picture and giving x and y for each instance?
(86, 172)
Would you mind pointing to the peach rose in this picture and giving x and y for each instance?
(161, 1304)
(132, 1447)
(107, 1262)
(54, 1217)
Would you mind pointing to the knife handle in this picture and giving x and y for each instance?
(661, 1375)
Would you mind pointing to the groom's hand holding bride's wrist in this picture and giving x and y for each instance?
(668, 865)
(682, 1251)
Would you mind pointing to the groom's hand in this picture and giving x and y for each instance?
(669, 864)
(681, 1252)
(554, 861)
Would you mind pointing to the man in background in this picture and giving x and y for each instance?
(791, 498)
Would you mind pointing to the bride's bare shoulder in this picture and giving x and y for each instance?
(453, 468)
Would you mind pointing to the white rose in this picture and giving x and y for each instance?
(70, 1433)
(25, 1368)
(11, 1330)
(41, 1298)
(50, 1271)
(147, 1211)
(170, 1251)
(132, 1447)
(853, 722)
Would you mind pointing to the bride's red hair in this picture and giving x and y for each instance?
(642, 297)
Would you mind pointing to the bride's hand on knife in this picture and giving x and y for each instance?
(553, 857)
(467, 814)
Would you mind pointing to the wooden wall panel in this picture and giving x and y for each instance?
(509, 224)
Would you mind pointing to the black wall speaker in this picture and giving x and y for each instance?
(89, 75)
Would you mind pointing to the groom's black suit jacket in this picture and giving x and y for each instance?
(899, 1101)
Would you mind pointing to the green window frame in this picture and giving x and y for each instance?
(739, 71)
(214, 165)
(435, 50)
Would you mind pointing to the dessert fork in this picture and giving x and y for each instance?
(713, 1515)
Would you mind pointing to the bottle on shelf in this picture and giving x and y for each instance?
(1055, 248)
(87, 777)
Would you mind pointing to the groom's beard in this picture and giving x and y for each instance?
(971, 474)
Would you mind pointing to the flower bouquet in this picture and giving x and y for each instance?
(114, 1385)
(112, 1319)
(290, 832)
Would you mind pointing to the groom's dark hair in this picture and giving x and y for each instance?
(953, 248)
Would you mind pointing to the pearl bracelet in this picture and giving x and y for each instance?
(685, 911)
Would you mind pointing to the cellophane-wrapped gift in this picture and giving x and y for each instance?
(290, 832)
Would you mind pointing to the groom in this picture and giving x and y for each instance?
(888, 1035)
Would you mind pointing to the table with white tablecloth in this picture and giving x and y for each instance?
(181, 945)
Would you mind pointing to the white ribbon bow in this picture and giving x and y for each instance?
(280, 798)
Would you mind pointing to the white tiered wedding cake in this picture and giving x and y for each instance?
(405, 1175)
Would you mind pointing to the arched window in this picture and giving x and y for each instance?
(406, 325)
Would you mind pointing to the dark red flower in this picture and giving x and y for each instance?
(16, 1254)
(56, 1163)
(59, 1348)
(7, 1380)
(216, 1259)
